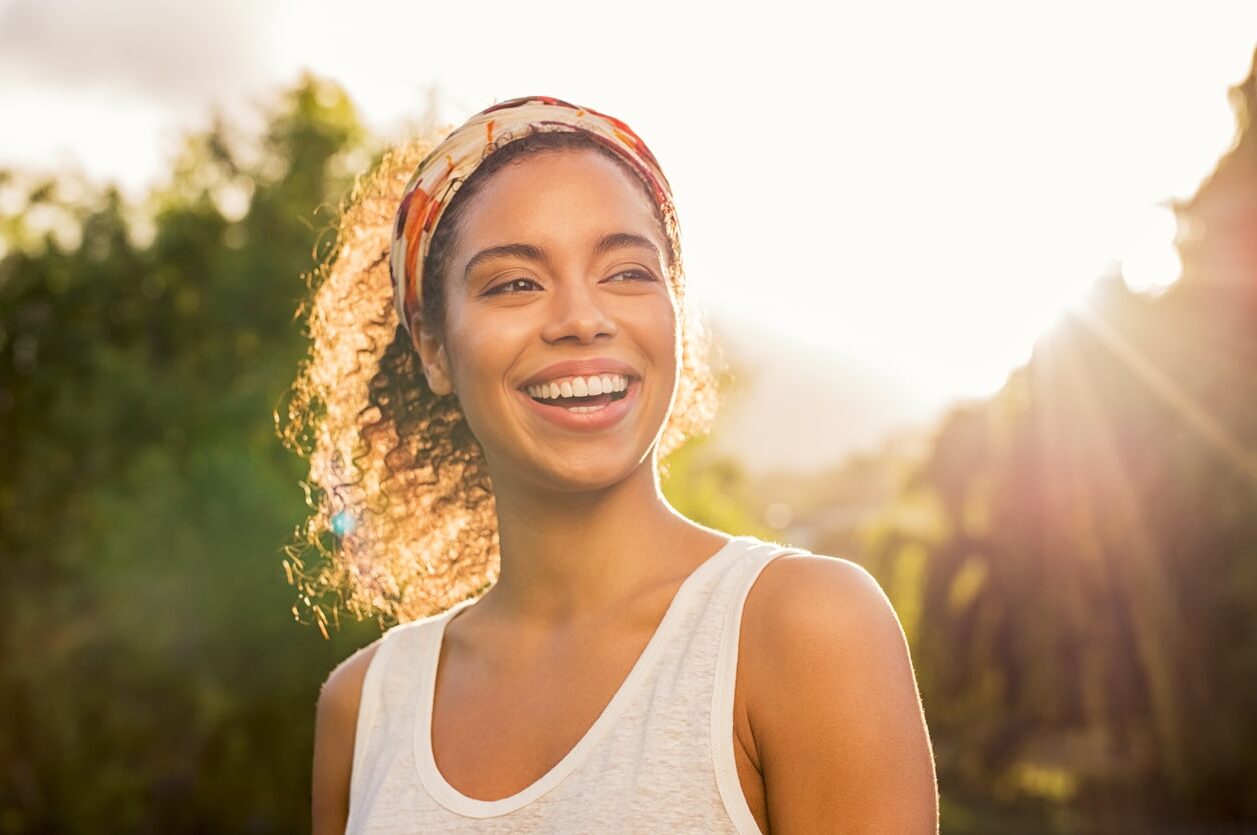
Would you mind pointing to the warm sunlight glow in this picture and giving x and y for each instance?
(1152, 263)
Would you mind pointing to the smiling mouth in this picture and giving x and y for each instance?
(563, 399)
(591, 401)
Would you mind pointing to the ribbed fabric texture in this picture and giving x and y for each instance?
(659, 758)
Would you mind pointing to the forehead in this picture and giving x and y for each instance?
(559, 193)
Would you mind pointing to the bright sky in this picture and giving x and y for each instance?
(917, 187)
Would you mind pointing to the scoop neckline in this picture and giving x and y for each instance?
(454, 800)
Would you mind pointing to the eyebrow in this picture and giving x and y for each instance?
(531, 252)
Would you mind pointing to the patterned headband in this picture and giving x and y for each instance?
(449, 165)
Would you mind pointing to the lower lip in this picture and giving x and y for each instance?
(608, 415)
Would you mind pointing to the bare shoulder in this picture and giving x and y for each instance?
(833, 702)
(796, 594)
(811, 609)
(336, 724)
(342, 691)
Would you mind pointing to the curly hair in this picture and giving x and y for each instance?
(402, 522)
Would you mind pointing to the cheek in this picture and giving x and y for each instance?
(472, 353)
(477, 362)
(655, 327)
(667, 321)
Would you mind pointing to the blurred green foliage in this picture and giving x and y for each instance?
(154, 678)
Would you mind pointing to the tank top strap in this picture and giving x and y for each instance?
(389, 692)
(726, 609)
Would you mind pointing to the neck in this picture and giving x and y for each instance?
(568, 555)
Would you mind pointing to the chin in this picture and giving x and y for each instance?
(587, 476)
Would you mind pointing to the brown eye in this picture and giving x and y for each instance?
(635, 275)
(501, 288)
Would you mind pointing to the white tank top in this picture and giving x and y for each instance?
(659, 758)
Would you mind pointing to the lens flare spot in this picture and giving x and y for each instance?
(344, 523)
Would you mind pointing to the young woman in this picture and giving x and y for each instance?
(511, 393)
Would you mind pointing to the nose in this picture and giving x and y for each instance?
(576, 313)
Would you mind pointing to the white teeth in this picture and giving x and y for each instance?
(580, 387)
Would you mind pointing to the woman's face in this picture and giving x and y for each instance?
(560, 259)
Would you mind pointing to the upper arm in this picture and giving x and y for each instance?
(336, 724)
(834, 706)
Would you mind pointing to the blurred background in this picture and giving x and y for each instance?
(985, 280)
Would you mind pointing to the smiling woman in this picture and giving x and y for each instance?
(487, 419)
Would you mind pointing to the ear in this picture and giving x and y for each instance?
(436, 364)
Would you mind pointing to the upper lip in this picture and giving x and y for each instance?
(581, 368)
